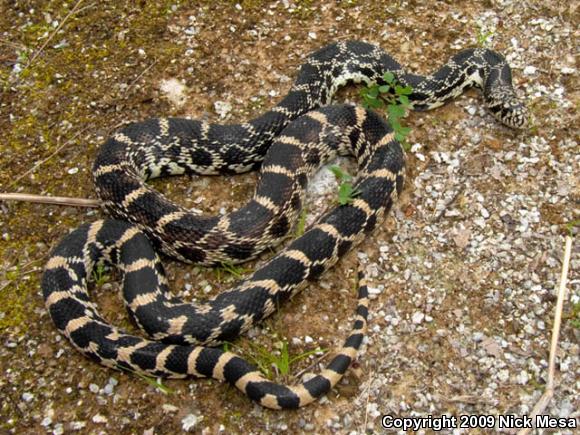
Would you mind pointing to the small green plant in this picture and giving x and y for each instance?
(483, 36)
(155, 382)
(392, 97)
(575, 316)
(346, 191)
(99, 275)
(301, 224)
(280, 360)
(228, 268)
(570, 227)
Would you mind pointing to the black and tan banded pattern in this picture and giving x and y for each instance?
(169, 146)
(69, 304)
(312, 139)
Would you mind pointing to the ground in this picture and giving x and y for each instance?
(463, 271)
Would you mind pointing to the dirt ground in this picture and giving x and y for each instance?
(463, 271)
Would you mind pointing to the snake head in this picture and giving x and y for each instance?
(508, 109)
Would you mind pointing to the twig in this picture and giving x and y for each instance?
(141, 75)
(371, 379)
(315, 363)
(20, 177)
(59, 200)
(73, 11)
(549, 392)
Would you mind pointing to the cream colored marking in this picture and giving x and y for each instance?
(161, 358)
(271, 285)
(120, 137)
(318, 116)
(134, 195)
(298, 255)
(383, 173)
(277, 169)
(203, 308)
(114, 336)
(386, 139)
(105, 169)
(361, 115)
(93, 347)
(270, 401)
(269, 307)
(54, 297)
(349, 351)
(138, 265)
(176, 325)
(124, 353)
(243, 382)
(282, 110)
(229, 313)
(93, 231)
(330, 230)
(77, 323)
(129, 234)
(266, 202)
(56, 262)
(143, 299)
(332, 376)
(164, 126)
(222, 225)
(164, 220)
(218, 370)
(289, 140)
(191, 361)
(363, 205)
(303, 394)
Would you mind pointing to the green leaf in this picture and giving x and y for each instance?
(404, 131)
(384, 89)
(339, 173)
(407, 90)
(396, 111)
(389, 77)
(404, 100)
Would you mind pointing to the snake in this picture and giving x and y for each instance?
(287, 143)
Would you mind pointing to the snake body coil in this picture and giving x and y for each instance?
(292, 140)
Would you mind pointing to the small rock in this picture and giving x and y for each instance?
(189, 422)
(168, 408)
(100, 419)
(418, 317)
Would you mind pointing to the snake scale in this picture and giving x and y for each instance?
(288, 143)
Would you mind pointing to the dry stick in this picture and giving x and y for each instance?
(43, 46)
(141, 75)
(59, 200)
(20, 177)
(549, 392)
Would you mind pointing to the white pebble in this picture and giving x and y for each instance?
(94, 388)
(418, 317)
(169, 408)
(27, 397)
(530, 70)
(99, 419)
(73, 171)
(189, 422)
